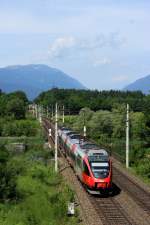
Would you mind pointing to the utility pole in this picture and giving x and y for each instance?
(40, 113)
(84, 130)
(56, 138)
(36, 111)
(84, 126)
(47, 111)
(36, 108)
(63, 114)
(127, 137)
(52, 112)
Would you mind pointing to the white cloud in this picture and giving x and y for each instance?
(104, 61)
(120, 78)
(60, 45)
(113, 39)
(67, 45)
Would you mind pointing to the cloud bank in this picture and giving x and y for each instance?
(62, 46)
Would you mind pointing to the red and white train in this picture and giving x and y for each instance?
(91, 164)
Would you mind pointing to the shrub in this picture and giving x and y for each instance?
(143, 168)
(20, 128)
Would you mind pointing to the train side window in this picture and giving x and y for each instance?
(86, 169)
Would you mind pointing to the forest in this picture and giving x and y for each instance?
(74, 100)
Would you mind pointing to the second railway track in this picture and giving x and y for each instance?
(140, 196)
(111, 212)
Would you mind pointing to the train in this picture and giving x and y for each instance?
(91, 163)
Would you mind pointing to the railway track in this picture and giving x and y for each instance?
(109, 211)
(140, 196)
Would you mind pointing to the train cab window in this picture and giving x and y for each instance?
(86, 169)
(100, 169)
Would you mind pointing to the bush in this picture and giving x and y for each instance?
(16, 107)
(143, 167)
(20, 128)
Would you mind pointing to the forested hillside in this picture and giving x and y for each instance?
(142, 84)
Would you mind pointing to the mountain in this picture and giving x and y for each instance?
(34, 79)
(142, 84)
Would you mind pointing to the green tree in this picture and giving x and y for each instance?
(84, 117)
(118, 120)
(101, 124)
(16, 107)
(138, 125)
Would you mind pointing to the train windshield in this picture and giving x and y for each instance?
(100, 169)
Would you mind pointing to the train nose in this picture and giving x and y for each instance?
(102, 185)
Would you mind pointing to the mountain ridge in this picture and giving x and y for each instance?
(34, 79)
(141, 84)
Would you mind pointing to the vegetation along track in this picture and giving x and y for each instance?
(140, 196)
(109, 211)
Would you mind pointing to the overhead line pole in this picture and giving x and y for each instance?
(63, 113)
(40, 114)
(84, 126)
(127, 137)
(56, 138)
(47, 111)
(36, 111)
(52, 112)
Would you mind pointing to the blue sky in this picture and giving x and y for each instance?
(105, 44)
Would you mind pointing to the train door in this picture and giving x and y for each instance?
(87, 179)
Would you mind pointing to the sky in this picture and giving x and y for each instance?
(105, 44)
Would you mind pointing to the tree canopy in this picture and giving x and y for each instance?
(74, 100)
(13, 104)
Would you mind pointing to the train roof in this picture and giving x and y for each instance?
(65, 129)
(92, 151)
(98, 155)
(76, 136)
(86, 148)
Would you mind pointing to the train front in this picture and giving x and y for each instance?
(100, 167)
